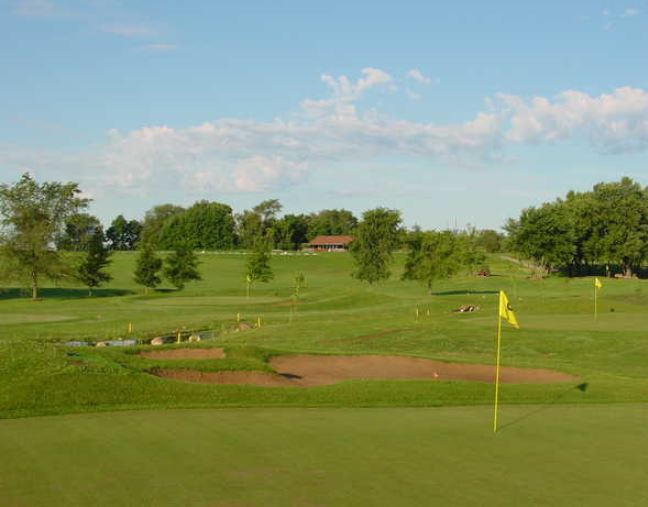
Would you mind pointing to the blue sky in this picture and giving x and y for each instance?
(454, 112)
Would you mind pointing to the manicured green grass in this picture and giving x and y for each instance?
(544, 455)
(335, 314)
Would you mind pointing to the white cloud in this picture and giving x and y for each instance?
(419, 77)
(617, 121)
(629, 12)
(234, 155)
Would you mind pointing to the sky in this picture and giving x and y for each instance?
(453, 112)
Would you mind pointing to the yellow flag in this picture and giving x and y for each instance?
(506, 311)
(597, 283)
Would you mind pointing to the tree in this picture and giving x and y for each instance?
(147, 268)
(123, 234)
(258, 265)
(155, 219)
(258, 222)
(249, 228)
(291, 231)
(205, 225)
(621, 223)
(433, 256)
(33, 216)
(182, 266)
(332, 222)
(470, 254)
(489, 240)
(372, 248)
(78, 232)
(268, 210)
(545, 235)
(91, 270)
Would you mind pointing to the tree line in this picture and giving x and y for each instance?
(596, 232)
(47, 234)
(208, 225)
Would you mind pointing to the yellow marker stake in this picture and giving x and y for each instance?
(238, 317)
(417, 313)
(258, 321)
(130, 327)
(597, 286)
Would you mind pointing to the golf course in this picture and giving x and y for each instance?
(349, 394)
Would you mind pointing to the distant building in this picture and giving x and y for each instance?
(330, 243)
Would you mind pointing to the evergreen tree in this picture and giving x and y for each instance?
(182, 266)
(97, 258)
(147, 267)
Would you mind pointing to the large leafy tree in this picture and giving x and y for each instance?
(621, 223)
(154, 221)
(78, 232)
(375, 239)
(205, 225)
(291, 231)
(434, 256)
(608, 225)
(123, 234)
(332, 222)
(182, 266)
(92, 269)
(33, 216)
(258, 222)
(147, 268)
(546, 235)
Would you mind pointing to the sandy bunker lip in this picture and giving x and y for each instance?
(211, 353)
(306, 370)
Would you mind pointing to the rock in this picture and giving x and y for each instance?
(158, 340)
(101, 344)
(194, 338)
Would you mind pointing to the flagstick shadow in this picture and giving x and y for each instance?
(581, 387)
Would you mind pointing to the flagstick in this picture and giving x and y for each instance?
(497, 367)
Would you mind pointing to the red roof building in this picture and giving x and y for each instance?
(330, 243)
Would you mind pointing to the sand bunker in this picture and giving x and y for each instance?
(213, 353)
(256, 378)
(316, 370)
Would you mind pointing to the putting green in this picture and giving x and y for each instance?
(551, 455)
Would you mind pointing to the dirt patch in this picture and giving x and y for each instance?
(256, 378)
(316, 370)
(213, 353)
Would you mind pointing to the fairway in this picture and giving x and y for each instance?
(335, 315)
(544, 455)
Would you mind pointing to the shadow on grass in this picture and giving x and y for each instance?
(580, 387)
(62, 293)
(464, 292)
